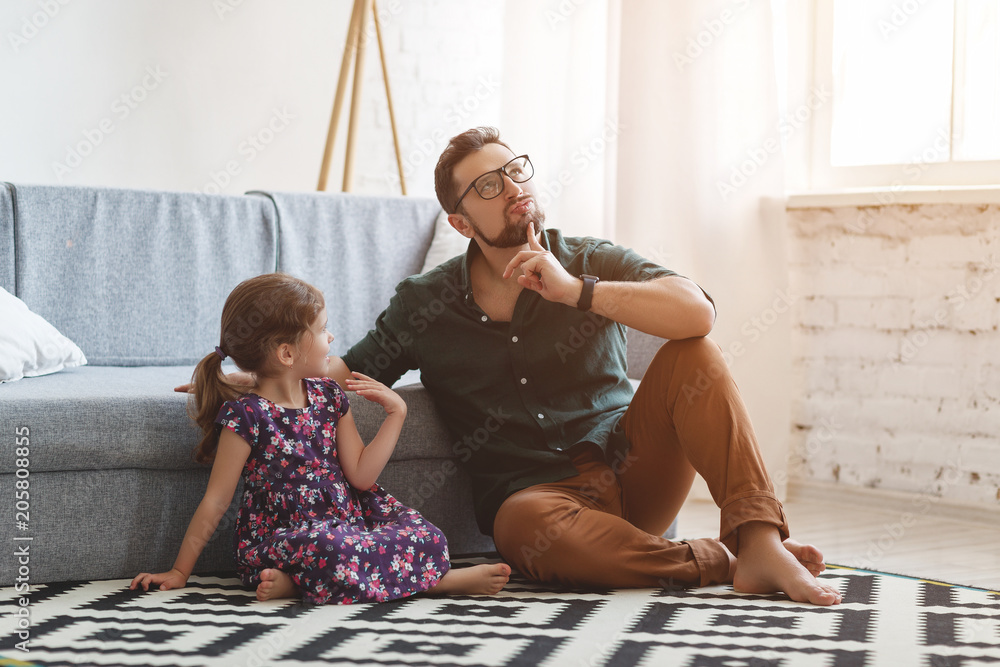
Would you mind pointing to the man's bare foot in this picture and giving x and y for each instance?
(810, 557)
(275, 585)
(486, 579)
(766, 565)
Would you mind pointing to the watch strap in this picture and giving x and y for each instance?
(587, 294)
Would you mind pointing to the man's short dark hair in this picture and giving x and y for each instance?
(459, 147)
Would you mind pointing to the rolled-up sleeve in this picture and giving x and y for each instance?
(611, 262)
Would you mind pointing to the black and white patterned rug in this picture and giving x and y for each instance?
(883, 620)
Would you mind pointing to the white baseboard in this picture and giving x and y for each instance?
(891, 501)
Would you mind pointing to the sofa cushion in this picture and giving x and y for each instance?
(137, 278)
(7, 238)
(447, 243)
(105, 417)
(354, 248)
(641, 348)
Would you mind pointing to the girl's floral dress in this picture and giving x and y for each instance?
(300, 515)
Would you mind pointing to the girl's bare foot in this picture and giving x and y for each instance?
(486, 579)
(766, 565)
(275, 585)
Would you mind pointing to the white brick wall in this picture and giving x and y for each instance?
(897, 350)
(435, 94)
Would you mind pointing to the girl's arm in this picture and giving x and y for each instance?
(230, 458)
(362, 465)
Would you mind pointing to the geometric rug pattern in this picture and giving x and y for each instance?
(883, 620)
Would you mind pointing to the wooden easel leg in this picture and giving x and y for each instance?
(352, 123)
(350, 47)
(388, 96)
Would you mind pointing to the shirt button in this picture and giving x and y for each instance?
(514, 339)
(541, 416)
(524, 380)
(485, 318)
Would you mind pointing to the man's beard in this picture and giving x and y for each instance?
(514, 234)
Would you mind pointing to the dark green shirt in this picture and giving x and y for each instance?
(518, 395)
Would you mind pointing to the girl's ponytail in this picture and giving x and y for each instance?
(210, 391)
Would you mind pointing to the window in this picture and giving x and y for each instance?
(915, 93)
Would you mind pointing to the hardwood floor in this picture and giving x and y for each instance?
(879, 531)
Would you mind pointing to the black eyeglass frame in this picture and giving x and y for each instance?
(502, 171)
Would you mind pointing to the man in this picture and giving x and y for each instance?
(576, 479)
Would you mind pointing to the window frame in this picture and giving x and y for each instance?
(920, 173)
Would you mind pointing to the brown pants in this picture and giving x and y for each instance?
(603, 527)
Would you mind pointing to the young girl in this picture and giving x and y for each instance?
(312, 521)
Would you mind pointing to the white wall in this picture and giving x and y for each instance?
(698, 95)
(233, 95)
(242, 84)
(897, 349)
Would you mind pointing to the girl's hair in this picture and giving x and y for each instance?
(260, 314)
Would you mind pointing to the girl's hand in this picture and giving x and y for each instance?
(375, 391)
(166, 580)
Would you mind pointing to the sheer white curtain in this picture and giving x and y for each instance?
(700, 180)
(556, 106)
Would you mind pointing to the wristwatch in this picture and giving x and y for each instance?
(587, 294)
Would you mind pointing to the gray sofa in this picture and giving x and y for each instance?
(137, 279)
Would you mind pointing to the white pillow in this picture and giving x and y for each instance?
(29, 345)
(446, 243)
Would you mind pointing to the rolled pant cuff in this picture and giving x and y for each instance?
(750, 506)
(712, 561)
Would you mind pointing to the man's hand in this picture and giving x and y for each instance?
(543, 274)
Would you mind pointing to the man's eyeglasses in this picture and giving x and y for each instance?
(490, 184)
